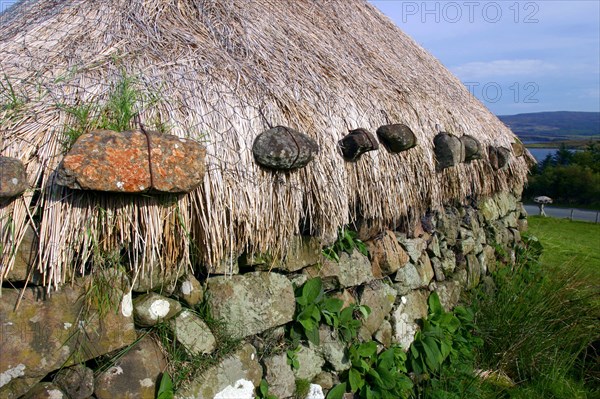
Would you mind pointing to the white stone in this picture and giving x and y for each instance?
(66, 326)
(159, 308)
(9, 374)
(127, 305)
(406, 315)
(120, 185)
(55, 394)
(15, 181)
(186, 287)
(146, 382)
(315, 392)
(241, 389)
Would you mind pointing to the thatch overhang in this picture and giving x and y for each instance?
(221, 72)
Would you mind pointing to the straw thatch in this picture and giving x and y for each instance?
(221, 72)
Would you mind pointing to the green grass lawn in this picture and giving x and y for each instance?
(568, 244)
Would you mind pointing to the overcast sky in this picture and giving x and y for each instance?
(515, 56)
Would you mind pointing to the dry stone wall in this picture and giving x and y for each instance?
(70, 329)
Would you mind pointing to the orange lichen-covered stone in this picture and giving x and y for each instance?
(105, 160)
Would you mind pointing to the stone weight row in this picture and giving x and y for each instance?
(284, 148)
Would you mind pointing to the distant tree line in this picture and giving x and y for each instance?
(570, 178)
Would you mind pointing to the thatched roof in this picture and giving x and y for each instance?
(221, 72)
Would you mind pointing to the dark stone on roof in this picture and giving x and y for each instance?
(356, 143)
(518, 148)
(283, 148)
(449, 150)
(13, 178)
(105, 160)
(397, 137)
(473, 148)
(499, 157)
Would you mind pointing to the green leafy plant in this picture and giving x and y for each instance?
(165, 389)
(372, 375)
(292, 358)
(314, 308)
(347, 241)
(444, 336)
(262, 391)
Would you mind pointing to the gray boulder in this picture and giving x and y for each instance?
(25, 259)
(134, 375)
(150, 309)
(413, 246)
(77, 381)
(279, 376)
(438, 269)
(411, 308)
(193, 333)
(351, 270)
(466, 245)
(233, 374)
(51, 331)
(45, 390)
(448, 225)
(303, 251)
(449, 294)
(387, 255)
(251, 303)
(311, 363)
(397, 137)
(157, 279)
(384, 334)
(473, 149)
(425, 270)
(407, 279)
(189, 290)
(449, 150)
(380, 298)
(356, 143)
(332, 350)
(283, 148)
(498, 157)
(13, 177)
(473, 271)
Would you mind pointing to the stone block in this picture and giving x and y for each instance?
(193, 333)
(151, 309)
(240, 370)
(411, 308)
(13, 177)
(387, 255)
(51, 331)
(136, 374)
(104, 160)
(251, 303)
(380, 297)
(351, 270)
(279, 376)
(413, 246)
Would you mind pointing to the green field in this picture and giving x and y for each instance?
(568, 244)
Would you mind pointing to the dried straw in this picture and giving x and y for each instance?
(220, 72)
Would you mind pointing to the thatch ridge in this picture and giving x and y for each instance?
(221, 72)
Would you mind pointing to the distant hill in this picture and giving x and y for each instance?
(554, 126)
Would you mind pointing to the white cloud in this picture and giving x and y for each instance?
(502, 68)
